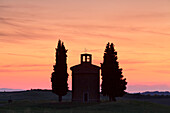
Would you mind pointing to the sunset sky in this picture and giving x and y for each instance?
(30, 30)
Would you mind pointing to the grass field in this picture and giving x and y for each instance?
(121, 106)
(46, 102)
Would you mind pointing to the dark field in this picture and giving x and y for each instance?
(46, 102)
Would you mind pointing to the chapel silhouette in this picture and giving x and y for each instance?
(85, 80)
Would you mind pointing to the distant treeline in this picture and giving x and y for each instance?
(156, 93)
(153, 94)
(42, 90)
(39, 90)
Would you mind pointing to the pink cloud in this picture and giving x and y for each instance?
(24, 70)
(26, 65)
(14, 54)
(163, 71)
(129, 69)
(133, 61)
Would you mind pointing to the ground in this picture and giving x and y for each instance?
(46, 102)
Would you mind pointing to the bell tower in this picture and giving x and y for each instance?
(86, 58)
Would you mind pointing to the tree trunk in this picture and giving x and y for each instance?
(112, 98)
(59, 98)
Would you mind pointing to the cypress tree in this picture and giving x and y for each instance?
(113, 83)
(60, 76)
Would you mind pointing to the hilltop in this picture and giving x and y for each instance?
(44, 101)
(39, 94)
(156, 93)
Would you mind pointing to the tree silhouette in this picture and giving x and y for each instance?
(60, 76)
(113, 84)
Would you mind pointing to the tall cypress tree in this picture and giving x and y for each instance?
(60, 76)
(113, 83)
